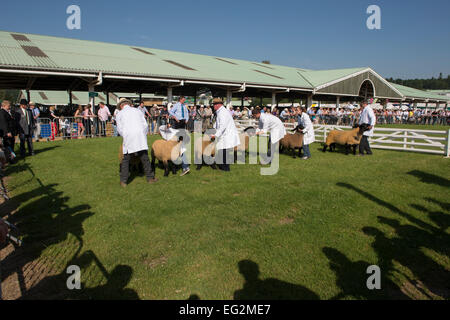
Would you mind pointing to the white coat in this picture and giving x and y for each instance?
(270, 123)
(227, 136)
(308, 133)
(368, 116)
(131, 125)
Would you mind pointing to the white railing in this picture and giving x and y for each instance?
(415, 140)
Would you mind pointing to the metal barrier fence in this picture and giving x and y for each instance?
(415, 140)
(73, 128)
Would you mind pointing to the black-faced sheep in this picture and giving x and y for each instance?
(204, 147)
(293, 141)
(348, 138)
(244, 139)
(163, 151)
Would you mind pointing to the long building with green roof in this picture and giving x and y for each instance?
(38, 62)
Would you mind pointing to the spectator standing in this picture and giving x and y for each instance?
(103, 117)
(37, 126)
(7, 130)
(53, 125)
(79, 120)
(25, 126)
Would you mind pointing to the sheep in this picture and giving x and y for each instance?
(204, 147)
(163, 150)
(244, 139)
(293, 141)
(348, 139)
(135, 162)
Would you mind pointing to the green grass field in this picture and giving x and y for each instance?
(308, 232)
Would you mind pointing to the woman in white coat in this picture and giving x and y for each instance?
(226, 135)
(308, 132)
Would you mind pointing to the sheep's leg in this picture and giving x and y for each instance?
(325, 148)
(293, 152)
(354, 149)
(347, 149)
(153, 164)
(166, 169)
(173, 167)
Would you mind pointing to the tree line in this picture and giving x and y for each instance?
(439, 83)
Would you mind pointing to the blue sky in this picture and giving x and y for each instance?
(414, 40)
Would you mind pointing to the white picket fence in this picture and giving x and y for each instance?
(415, 140)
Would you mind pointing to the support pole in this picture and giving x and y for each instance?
(229, 98)
(338, 100)
(308, 102)
(70, 97)
(28, 95)
(107, 99)
(242, 101)
(274, 100)
(169, 95)
(92, 99)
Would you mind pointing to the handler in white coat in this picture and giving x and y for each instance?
(131, 125)
(308, 132)
(226, 135)
(270, 124)
(368, 117)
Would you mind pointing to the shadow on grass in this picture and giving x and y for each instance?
(258, 289)
(49, 224)
(351, 278)
(430, 178)
(431, 279)
(268, 289)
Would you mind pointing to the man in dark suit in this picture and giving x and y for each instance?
(7, 129)
(25, 125)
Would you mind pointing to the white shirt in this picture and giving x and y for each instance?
(227, 136)
(308, 132)
(131, 125)
(272, 124)
(367, 116)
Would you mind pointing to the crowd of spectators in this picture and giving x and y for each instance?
(95, 121)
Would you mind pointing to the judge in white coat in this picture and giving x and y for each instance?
(131, 125)
(308, 131)
(368, 117)
(268, 123)
(226, 135)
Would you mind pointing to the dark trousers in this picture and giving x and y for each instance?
(364, 145)
(8, 144)
(125, 166)
(87, 127)
(102, 128)
(226, 157)
(29, 140)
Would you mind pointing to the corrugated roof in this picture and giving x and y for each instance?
(91, 56)
(29, 51)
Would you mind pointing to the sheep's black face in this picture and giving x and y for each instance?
(251, 131)
(299, 129)
(364, 127)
